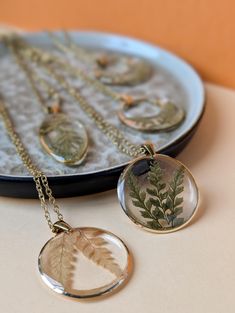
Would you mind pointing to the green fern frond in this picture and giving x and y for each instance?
(158, 194)
(173, 201)
(162, 203)
(139, 197)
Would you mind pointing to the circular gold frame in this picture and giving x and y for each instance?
(168, 230)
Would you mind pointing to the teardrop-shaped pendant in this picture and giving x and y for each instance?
(64, 140)
(84, 262)
(158, 193)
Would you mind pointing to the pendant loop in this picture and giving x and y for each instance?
(61, 226)
(54, 108)
(148, 149)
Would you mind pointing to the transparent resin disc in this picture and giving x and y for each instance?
(84, 262)
(65, 141)
(123, 71)
(159, 115)
(159, 194)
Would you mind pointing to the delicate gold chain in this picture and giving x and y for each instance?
(39, 177)
(80, 52)
(32, 77)
(117, 138)
(76, 72)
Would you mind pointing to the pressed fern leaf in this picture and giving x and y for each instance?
(67, 143)
(53, 122)
(157, 193)
(95, 249)
(139, 200)
(59, 264)
(59, 136)
(174, 201)
(160, 204)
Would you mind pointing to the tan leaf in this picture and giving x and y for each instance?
(61, 255)
(95, 248)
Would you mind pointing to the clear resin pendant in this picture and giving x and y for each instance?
(123, 71)
(156, 115)
(158, 193)
(84, 262)
(65, 141)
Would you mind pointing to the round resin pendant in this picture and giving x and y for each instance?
(84, 262)
(123, 71)
(158, 193)
(65, 141)
(158, 115)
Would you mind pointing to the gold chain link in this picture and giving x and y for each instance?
(39, 177)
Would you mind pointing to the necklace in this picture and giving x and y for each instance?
(67, 260)
(168, 115)
(136, 70)
(156, 192)
(66, 142)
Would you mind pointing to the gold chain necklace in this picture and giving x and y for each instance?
(59, 261)
(117, 138)
(137, 70)
(64, 141)
(169, 116)
(157, 192)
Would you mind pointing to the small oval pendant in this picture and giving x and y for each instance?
(158, 194)
(65, 141)
(168, 117)
(84, 263)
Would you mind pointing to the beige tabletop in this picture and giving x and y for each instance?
(190, 271)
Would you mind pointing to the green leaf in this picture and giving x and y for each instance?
(180, 180)
(161, 186)
(142, 195)
(158, 213)
(154, 225)
(178, 201)
(138, 203)
(148, 204)
(133, 195)
(163, 195)
(145, 214)
(175, 188)
(179, 190)
(155, 201)
(169, 203)
(151, 192)
(178, 210)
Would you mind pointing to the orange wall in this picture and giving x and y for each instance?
(200, 31)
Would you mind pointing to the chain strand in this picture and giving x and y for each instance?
(117, 138)
(32, 76)
(39, 177)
